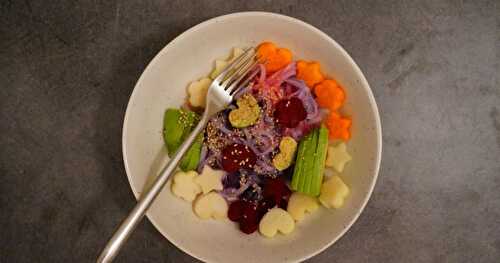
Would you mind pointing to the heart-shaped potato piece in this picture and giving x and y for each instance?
(276, 220)
(211, 205)
(299, 204)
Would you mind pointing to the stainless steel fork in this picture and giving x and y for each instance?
(220, 94)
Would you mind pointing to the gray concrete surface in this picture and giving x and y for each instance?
(67, 69)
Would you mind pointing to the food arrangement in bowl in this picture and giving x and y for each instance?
(186, 61)
(262, 162)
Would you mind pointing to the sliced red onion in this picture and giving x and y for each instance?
(267, 142)
(244, 90)
(309, 103)
(300, 84)
(238, 94)
(276, 79)
(220, 123)
(251, 144)
(231, 194)
(265, 167)
(262, 75)
(253, 178)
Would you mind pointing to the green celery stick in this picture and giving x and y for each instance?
(299, 163)
(309, 164)
(307, 144)
(319, 162)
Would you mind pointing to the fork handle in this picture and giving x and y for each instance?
(130, 223)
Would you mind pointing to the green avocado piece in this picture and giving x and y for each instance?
(178, 124)
(189, 119)
(172, 131)
(319, 162)
(192, 157)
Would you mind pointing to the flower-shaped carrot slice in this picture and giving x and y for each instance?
(310, 72)
(329, 94)
(338, 126)
(275, 58)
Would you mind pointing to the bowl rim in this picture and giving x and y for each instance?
(364, 83)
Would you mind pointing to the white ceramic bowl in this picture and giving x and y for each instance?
(191, 56)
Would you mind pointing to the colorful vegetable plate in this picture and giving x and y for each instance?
(303, 144)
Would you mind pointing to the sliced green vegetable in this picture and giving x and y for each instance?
(297, 170)
(192, 157)
(319, 162)
(172, 131)
(302, 175)
(310, 162)
(178, 124)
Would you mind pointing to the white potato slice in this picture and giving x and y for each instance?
(183, 185)
(220, 64)
(276, 220)
(299, 204)
(197, 92)
(333, 192)
(210, 179)
(337, 157)
(211, 205)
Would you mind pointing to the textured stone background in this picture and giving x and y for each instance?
(67, 69)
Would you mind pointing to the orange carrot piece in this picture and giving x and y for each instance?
(329, 94)
(310, 72)
(275, 58)
(338, 126)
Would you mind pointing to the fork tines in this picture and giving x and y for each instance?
(231, 78)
